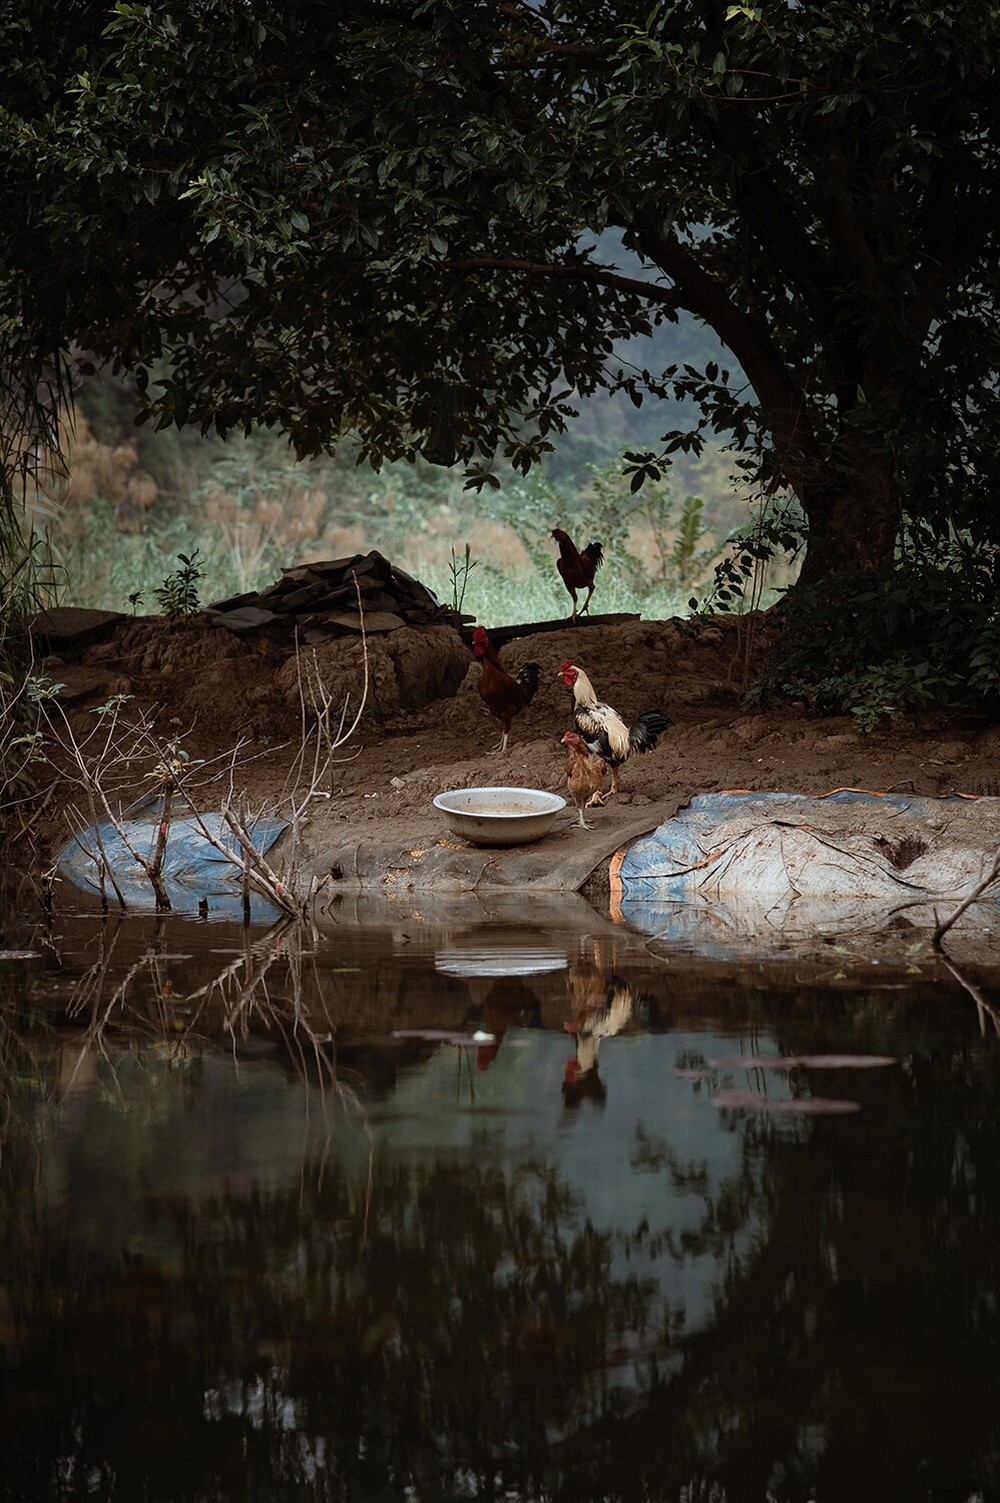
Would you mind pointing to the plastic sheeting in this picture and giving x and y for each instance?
(192, 868)
(560, 862)
(739, 872)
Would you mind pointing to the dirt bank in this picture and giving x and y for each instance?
(425, 728)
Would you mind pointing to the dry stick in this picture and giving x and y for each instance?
(91, 783)
(973, 897)
(278, 889)
(322, 702)
(252, 865)
(246, 870)
(255, 870)
(160, 850)
(982, 1006)
(104, 867)
(144, 742)
(294, 771)
(258, 872)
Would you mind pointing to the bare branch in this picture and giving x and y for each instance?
(973, 897)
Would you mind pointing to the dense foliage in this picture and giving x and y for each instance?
(393, 221)
(382, 218)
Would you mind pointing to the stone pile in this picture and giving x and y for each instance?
(317, 601)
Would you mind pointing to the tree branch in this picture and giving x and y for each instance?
(973, 897)
(665, 297)
(747, 336)
(835, 202)
(767, 212)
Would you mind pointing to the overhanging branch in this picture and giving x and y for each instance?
(781, 398)
(667, 298)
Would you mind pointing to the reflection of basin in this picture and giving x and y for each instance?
(499, 816)
(499, 960)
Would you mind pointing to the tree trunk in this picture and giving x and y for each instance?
(854, 523)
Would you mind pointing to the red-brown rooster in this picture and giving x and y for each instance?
(577, 569)
(602, 728)
(585, 772)
(504, 695)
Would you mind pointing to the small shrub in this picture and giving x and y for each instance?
(461, 568)
(177, 596)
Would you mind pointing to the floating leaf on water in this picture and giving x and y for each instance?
(803, 1061)
(802, 1106)
(846, 1061)
(444, 1036)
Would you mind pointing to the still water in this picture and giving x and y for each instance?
(471, 1202)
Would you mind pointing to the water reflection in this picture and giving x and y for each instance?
(275, 1226)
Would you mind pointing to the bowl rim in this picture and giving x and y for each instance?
(557, 803)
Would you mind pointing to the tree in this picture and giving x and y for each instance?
(382, 217)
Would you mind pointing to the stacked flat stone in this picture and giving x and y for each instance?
(316, 601)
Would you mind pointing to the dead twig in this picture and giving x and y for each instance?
(943, 925)
(110, 758)
(985, 1009)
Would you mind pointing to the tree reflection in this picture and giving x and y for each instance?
(466, 1332)
(848, 1349)
(399, 1324)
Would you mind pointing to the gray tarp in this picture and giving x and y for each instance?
(739, 872)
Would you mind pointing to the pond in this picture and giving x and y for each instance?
(487, 1202)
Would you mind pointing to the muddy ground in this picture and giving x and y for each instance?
(238, 703)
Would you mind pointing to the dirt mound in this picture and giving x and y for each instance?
(407, 669)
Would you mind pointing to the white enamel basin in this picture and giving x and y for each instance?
(499, 816)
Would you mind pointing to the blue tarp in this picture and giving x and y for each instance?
(192, 868)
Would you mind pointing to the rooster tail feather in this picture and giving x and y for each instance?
(527, 676)
(595, 550)
(647, 729)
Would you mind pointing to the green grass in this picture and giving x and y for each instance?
(255, 514)
(104, 575)
(496, 599)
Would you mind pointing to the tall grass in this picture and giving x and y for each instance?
(114, 539)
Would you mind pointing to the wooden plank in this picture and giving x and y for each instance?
(375, 621)
(324, 567)
(500, 635)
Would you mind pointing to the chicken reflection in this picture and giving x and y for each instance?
(601, 1006)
